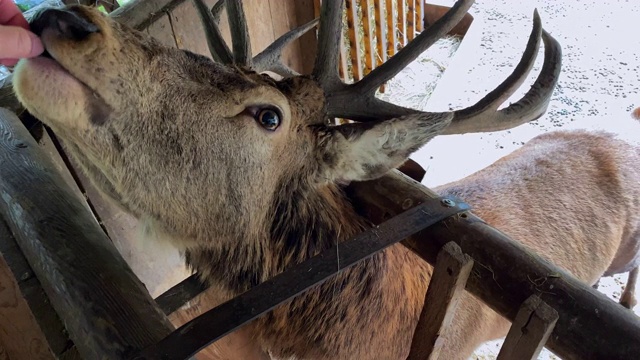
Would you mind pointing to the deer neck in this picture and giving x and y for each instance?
(302, 222)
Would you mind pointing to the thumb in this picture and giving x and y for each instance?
(18, 43)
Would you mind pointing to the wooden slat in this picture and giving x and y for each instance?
(162, 31)
(381, 55)
(529, 331)
(187, 29)
(88, 283)
(353, 22)
(309, 41)
(139, 14)
(31, 289)
(283, 19)
(402, 23)
(343, 64)
(392, 26)
(447, 284)
(419, 18)
(369, 45)
(411, 19)
(20, 334)
(381, 52)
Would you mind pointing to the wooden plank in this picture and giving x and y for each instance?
(309, 41)
(369, 45)
(139, 14)
(381, 55)
(502, 286)
(55, 153)
(447, 284)
(402, 24)
(187, 29)
(344, 64)
(530, 330)
(49, 322)
(411, 20)
(88, 283)
(163, 32)
(392, 26)
(419, 17)
(20, 334)
(353, 22)
(283, 19)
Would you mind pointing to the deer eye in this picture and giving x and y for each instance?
(268, 119)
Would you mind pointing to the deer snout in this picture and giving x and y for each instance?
(66, 23)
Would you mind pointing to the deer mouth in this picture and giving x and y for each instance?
(48, 85)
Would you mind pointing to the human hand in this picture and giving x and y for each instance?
(16, 41)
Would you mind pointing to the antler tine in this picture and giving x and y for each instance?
(217, 46)
(217, 9)
(325, 69)
(483, 117)
(239, 33)
(271, 57)
(357, 101)
(412, 50)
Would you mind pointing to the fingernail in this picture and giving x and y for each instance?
(36, 45)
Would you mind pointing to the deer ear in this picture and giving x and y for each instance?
(365, 151)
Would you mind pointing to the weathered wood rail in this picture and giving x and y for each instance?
(105, 308)
(109, 314)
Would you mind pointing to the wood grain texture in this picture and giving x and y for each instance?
(353, 21)
(187, 30)
(139, 14)
(447, 284)
(31, 289)
(88, 283)
(529, 331)
(20, 334)
(161, 30)
(368, 24)
(504, 287)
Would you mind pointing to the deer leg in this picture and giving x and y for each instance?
(628, 298)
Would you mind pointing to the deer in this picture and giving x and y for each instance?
(245, 173)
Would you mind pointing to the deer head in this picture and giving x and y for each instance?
(203, 148)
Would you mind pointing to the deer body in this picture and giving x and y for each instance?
(572, 197)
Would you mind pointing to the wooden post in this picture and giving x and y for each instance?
(354, 41)
(530, 330)
(20, 334)
(504, 287)
(369, 30)
(107, 311)
(450, 275)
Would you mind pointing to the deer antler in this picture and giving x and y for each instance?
(268, 60)
(357, 101)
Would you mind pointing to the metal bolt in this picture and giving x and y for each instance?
(448, 203)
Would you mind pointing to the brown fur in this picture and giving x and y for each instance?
(171, 137)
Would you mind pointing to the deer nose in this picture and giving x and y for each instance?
(65, 22)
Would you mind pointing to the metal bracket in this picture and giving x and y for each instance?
(227, 317)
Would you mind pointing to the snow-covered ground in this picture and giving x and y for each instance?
(598, 88)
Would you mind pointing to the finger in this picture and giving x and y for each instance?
(19, 43)
(11, 15)
(8, 62)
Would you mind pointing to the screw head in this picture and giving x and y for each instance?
(448, 202)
